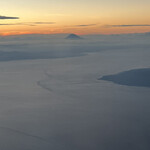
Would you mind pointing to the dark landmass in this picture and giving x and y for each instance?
(73, 36)
(136, 77)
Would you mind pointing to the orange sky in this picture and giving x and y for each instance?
(80, 16)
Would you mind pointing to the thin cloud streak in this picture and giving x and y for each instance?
(27, 23)
(85, 25)
(128, 25)
(43, 22)
(6, 17)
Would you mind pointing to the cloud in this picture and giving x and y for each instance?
(11, 24)
(6, 17)
(26, 23)
(5, 24)
(85, 25)
(43, 22)
(129, 25)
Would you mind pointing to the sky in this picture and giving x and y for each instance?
(76, 16)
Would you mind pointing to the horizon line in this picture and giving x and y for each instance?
(19, 34)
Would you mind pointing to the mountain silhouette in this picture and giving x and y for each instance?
(73, 36)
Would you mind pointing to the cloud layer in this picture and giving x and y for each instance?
(85, 25)
(6, 17)
(26, 23)
(129, 25)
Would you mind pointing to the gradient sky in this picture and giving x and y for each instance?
(74, 16)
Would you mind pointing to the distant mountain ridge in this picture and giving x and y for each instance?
(73, 36)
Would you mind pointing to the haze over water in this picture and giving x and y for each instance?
(51, 97)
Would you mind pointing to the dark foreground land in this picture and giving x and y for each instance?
(136, 77)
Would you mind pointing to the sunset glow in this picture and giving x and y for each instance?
(80, 17)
